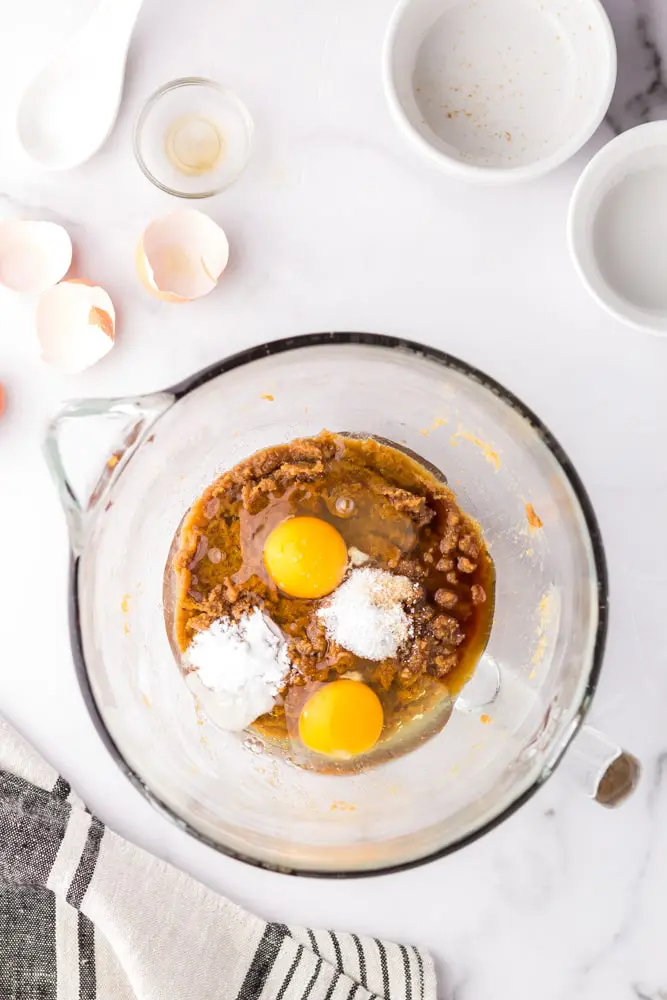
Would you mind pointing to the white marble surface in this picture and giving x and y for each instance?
(337, 224)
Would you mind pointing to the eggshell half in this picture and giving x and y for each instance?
(75, 325)
(182, 255)
(34, 256)
(147, 280)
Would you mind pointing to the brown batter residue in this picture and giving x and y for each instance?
(382, 502)
(487, 451)
(534, 522)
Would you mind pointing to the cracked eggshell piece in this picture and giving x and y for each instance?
(75, 325)
(181, 256)
(34, 256)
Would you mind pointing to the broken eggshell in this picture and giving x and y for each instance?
(34, 256)
(75, 325)
(181, 256)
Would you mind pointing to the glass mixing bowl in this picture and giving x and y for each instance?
(510, 725)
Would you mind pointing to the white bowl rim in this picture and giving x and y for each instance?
(495, 175)
(642, 137)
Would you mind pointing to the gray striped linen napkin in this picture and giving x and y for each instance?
(85, 915)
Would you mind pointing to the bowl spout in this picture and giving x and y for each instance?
(88, 444)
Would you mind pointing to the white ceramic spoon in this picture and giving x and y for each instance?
(71, 105)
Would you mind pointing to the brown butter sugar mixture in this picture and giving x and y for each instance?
(382, 502)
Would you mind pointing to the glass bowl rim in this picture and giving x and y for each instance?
(147, 107)
(409, 347)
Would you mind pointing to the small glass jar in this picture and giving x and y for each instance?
(193, 137)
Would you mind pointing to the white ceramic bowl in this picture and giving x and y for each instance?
(617, 227)
(499, 90)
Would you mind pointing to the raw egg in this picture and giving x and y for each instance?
(181, 256)
(342, 719)
(305, 557)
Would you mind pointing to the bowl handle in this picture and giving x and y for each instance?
(602, 769)
(69, 455)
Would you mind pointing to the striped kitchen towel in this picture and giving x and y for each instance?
(84, 915)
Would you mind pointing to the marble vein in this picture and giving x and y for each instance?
(641, 92)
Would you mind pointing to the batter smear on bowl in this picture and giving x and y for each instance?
(379, 586)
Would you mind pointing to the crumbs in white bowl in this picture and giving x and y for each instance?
(499, 90)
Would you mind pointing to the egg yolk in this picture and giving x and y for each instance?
(341, 719)
(305, 557)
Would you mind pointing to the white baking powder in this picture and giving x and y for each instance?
(244, 663)
(366, 614)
